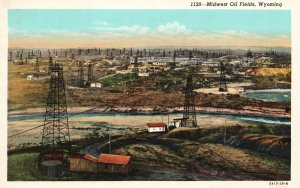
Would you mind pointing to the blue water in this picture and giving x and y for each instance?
(270, 95)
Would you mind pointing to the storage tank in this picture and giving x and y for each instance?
(52, 168)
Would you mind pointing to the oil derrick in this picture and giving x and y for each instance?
(249, 54)
(222, 84)
(80, 77)
(173, 64)
(190, 55)
(130, 51)
(40, 54)
(10, 56)
(90, 72)
(18, 54)
(56, 127)
(164, 53)
(141, 54)
(111, 56)
(50, 65)
(28, 55)
(66, 53)
(37, 67)
(73, 56)
(21, 57)
(99, 51)
(136, 66)
(189, 114)
(206, 56)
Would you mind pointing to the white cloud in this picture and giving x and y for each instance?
(134, 29)
(173, 27)
(171, 33)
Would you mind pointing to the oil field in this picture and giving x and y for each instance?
(157, 114)
(97, 97)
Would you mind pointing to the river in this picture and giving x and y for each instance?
(83, 124)
(275, 95)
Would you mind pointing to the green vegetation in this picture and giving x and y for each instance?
(118, 79)
(23, 167)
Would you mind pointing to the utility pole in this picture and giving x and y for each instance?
(109, 141)
(225, 133)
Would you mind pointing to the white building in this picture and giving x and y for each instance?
(143, 74)
(38, 76)
(156, 127)
(30, 77)
(96, 84)
(160, 63)
(174, 124)
(240, 89)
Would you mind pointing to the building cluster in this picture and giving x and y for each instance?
(105, 163)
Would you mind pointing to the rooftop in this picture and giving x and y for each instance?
(158, 124)
(114, 159)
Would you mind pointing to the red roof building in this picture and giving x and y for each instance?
(157, 127)
(114, 159)
(83, 163)
(114, 163)
(104, 163)
(90, 158)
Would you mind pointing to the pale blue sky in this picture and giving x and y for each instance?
(118, 23)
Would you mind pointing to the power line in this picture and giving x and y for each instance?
(25, 131)
(70, 115)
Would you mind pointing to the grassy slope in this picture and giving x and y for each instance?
(170, 158)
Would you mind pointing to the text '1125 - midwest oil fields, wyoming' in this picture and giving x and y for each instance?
(149, 95)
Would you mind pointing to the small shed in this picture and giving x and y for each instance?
(96, 84)
(157, 127)
(114, 163)
(83, 163)
(240, 89)
(31, 77)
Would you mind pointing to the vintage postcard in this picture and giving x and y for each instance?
(142, 91)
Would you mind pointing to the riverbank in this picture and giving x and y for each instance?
(247, 110)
